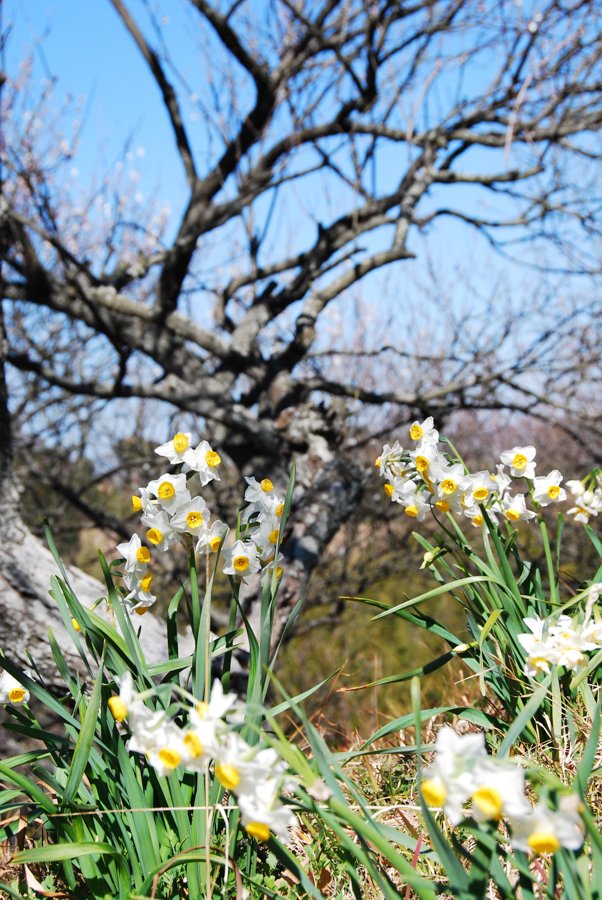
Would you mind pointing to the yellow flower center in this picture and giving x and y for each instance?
(154, 536)
(143, 555)
(416, 432)
(480, 494)
(241, 563)
(193, 744)
(75, 624)
(212, 459)
(228, 776)
(388, 488)
(411, 511)
(166, 490)
(202, 708)
(194, 519)
(145, 583)
(377, 462)
(519, 461)
(433, 791)
(141, 610)
(478, 519)
(422, 463)
(118, 708)
(553, 491)
(540, 663)
(136, 503)
(17, 695)
(169, 757)
(279, 509)
(489, 801)
(258, 830)
(214, 543)
(266, 485)
(443, 505)
(513, 515)
(180, 442)
(274, 536)
(448, 486)
(543, 842)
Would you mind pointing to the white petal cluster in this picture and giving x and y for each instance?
(588, 500)
(543, 830)
(256, 776)
(424, 478)
(463, 773)
(562, 640)
(172, 514)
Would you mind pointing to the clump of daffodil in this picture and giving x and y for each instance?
(173, 513)
(425, 478)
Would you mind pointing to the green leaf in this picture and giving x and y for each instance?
(524, 717)
(299, 698)
(447, 588)
(84, 741)
(59, 852)
(408, 720)
(586, 763)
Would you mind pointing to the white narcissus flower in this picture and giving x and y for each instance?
(160, 532)
(415, 504)
(12, 691)
(424, 431)
(127, 703)
(479, 488)
(175, 449)
(242, 559)
(141, 500)
(209, 539)
(395, 488)
(220, 706)
(266, 536)
(543, 830)
(239, 767)
(498, 790)
(588, 502)
(191, 516)
(521, 461)
(139, 597)
(388, 462)
(170, 491)
(451, 481)
(135, 555)
(257, 491)
(546, 489)
(263, 813)
(427, 459)
(515, 509)
(204, 460)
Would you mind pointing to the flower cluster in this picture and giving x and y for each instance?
(424, 477)
(170, 513)
(256, 776)
(588, 499)
(562, 640)
(463, 772)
